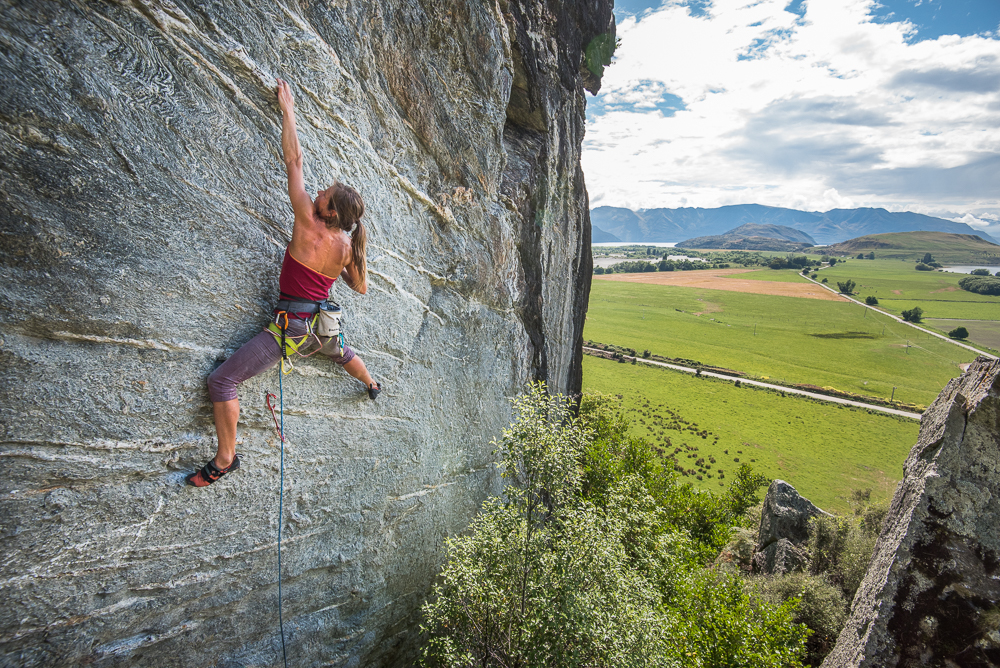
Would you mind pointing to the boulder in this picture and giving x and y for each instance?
(784, 530)
(145, 214)
(780, 557)
(932, 590)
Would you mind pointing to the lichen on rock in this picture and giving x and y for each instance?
(145, 214)
(931, 593)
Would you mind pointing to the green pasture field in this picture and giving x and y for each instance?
(983, 332)
(825, 343)
(898, 286)
(824, 450)
(778, 275)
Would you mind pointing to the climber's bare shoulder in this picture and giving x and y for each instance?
(320, 248)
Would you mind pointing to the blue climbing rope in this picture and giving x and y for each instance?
(281, 500)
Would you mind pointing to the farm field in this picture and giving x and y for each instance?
(983, 332)
(898, 286)
(825, 451)
(732, 280)
(789, 339)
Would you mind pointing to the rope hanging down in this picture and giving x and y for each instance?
(280, 428)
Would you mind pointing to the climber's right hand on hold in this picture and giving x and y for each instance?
(285, 99)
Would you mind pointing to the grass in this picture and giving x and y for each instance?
(982, 332)
(825, 343)
(945, 247)
(898, 286)
(825, 451)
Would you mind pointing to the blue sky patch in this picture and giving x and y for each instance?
(934, 18)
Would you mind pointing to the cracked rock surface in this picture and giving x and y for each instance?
(143, 223)
(784, 530)
(931, 593)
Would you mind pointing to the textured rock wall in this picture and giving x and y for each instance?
(931, 593)
(144, 216)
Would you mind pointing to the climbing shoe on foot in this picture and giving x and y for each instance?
(209, 473)
(373, 390)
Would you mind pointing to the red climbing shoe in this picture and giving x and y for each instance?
(209, 473)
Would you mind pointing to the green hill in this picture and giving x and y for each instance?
(946, 248)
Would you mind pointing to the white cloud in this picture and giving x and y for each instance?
(980, 223)
(815, 112)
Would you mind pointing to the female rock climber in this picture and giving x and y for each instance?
(320, 251)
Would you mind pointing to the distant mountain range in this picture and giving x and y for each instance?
(665, 225)
(754, 237)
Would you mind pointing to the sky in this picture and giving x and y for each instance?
(805, 104)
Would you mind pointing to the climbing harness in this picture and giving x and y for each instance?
(325, 322)
(280, 428)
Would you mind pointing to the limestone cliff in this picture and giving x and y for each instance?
(144, 217)
(932, 590)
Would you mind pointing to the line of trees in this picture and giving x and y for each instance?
(983, 285)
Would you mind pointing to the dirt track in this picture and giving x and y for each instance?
(724, 279)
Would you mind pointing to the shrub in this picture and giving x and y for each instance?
(870, 256)
(913, 315)
(861, 256)
(920, 266)
(980, 272)
(646, 354)
(598, 270)
(824, 280)
(594, 556)
(846, 287)
(841, 547)
(820, 605)
(983, 285)
(871, 300)
(959, 333)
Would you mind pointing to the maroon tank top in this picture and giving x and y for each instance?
(299, 281)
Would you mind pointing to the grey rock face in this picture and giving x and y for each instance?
(780, 557)
(784, 529)
(143, 222)
(931, 592)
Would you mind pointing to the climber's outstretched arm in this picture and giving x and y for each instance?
(292, 153)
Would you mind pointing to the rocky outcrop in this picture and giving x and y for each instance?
(784, 530)
(144, 217)
(931, 593)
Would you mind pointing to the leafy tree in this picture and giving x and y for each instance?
(980, 272)
(595, 555)
(983, 285)
(846, 287)
(959, 333)
(861, 256)
(598, 270)
(871, 300)
(833, 261)
(928, 258)
(870, 256)
(913, 315)
(825, 279)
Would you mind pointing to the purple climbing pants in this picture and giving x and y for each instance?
(258, 355)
